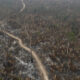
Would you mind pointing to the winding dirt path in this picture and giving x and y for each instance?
(34, 54)
(41, 67)
(23, 6)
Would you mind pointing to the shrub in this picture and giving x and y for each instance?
(71, 36)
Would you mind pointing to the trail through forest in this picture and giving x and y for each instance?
(23, 6)
(41, 67)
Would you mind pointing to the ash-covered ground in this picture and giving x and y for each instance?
(15, 62)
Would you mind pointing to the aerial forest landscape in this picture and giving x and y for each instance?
(39, 39)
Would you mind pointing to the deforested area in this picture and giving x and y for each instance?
(39, 40)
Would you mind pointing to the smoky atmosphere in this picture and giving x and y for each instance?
(39, 39)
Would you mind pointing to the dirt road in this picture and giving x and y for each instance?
(34, 54)
(41, 67)
(23, 6)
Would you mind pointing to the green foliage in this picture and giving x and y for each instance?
(75, 30)
(1, 79)
(18, 78)
(71, 36)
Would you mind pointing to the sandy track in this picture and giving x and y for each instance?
(23, 6)
(34, 54)
(41, 67)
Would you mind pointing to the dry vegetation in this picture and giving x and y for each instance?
(53, 32)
